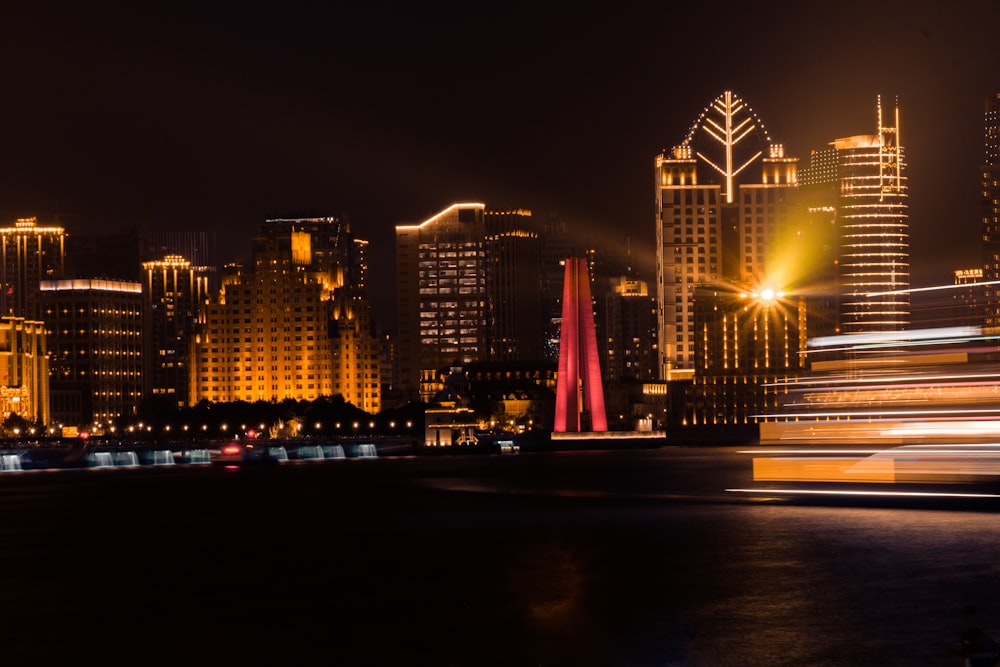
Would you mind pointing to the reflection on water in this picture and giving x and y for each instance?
(401, 570)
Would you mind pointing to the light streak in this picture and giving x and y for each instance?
(844, 492)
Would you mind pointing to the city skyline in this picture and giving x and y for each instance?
(205, 119)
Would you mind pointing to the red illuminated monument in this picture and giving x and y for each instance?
(579, 393)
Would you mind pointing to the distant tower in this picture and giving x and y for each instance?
(874, 232)
(173, 293)
(990, 211)
(29, 254)
(578, 358)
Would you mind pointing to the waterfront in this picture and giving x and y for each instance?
(637, 557)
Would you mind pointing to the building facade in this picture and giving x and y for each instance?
(173, 294)
(29, 254)
(861, 182)
(24, 363)
(747, 341)
(467, 291)
(292, 326)
(989, 173)
(724, 197)
(94, 330)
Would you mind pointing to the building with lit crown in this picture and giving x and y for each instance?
(94, 330)
(29, 254)
(173, 293)
(294, 325)
(859, 182)
(724, 198)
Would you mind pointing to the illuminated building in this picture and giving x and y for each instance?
(200, 248)
(990, 211)
(969, 298)
(723, 199)
(627, 322)
(579, 390)
(29, 254)
(512, 286)
(296, 325)
(866, 190)
(24, 364)
(746, 341)
(94, 332)
(467, 290)
(173, 292)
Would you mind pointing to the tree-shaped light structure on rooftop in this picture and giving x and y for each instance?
(728, 137)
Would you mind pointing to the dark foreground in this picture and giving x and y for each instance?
(638, 557)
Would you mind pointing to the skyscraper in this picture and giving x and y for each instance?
(990, 211)
(173, 292)
(29, 254)
(467, 290)
(724, 197)
(861, 180)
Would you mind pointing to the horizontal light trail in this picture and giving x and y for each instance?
(837, 492)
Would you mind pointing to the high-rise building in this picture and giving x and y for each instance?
(24, 363)
(199, 248)
(747, 341)
(724, 200)
(512, 280)
(29, 254)
(990, 212)
(467, 290)
(627, 328)
(861, 180)
(296, 325)
(94, 330)
(173, 293)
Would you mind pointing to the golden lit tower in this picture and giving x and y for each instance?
(723, 196)
(173, 293)
(29, 254)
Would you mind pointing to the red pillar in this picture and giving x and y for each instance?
(579, 365)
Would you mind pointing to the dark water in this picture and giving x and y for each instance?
(587, 558)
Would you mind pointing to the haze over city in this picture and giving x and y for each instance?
(193, 117)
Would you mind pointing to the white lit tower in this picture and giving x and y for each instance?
(722, 195)
(874, 230)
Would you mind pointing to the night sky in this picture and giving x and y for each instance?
(187, 117)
